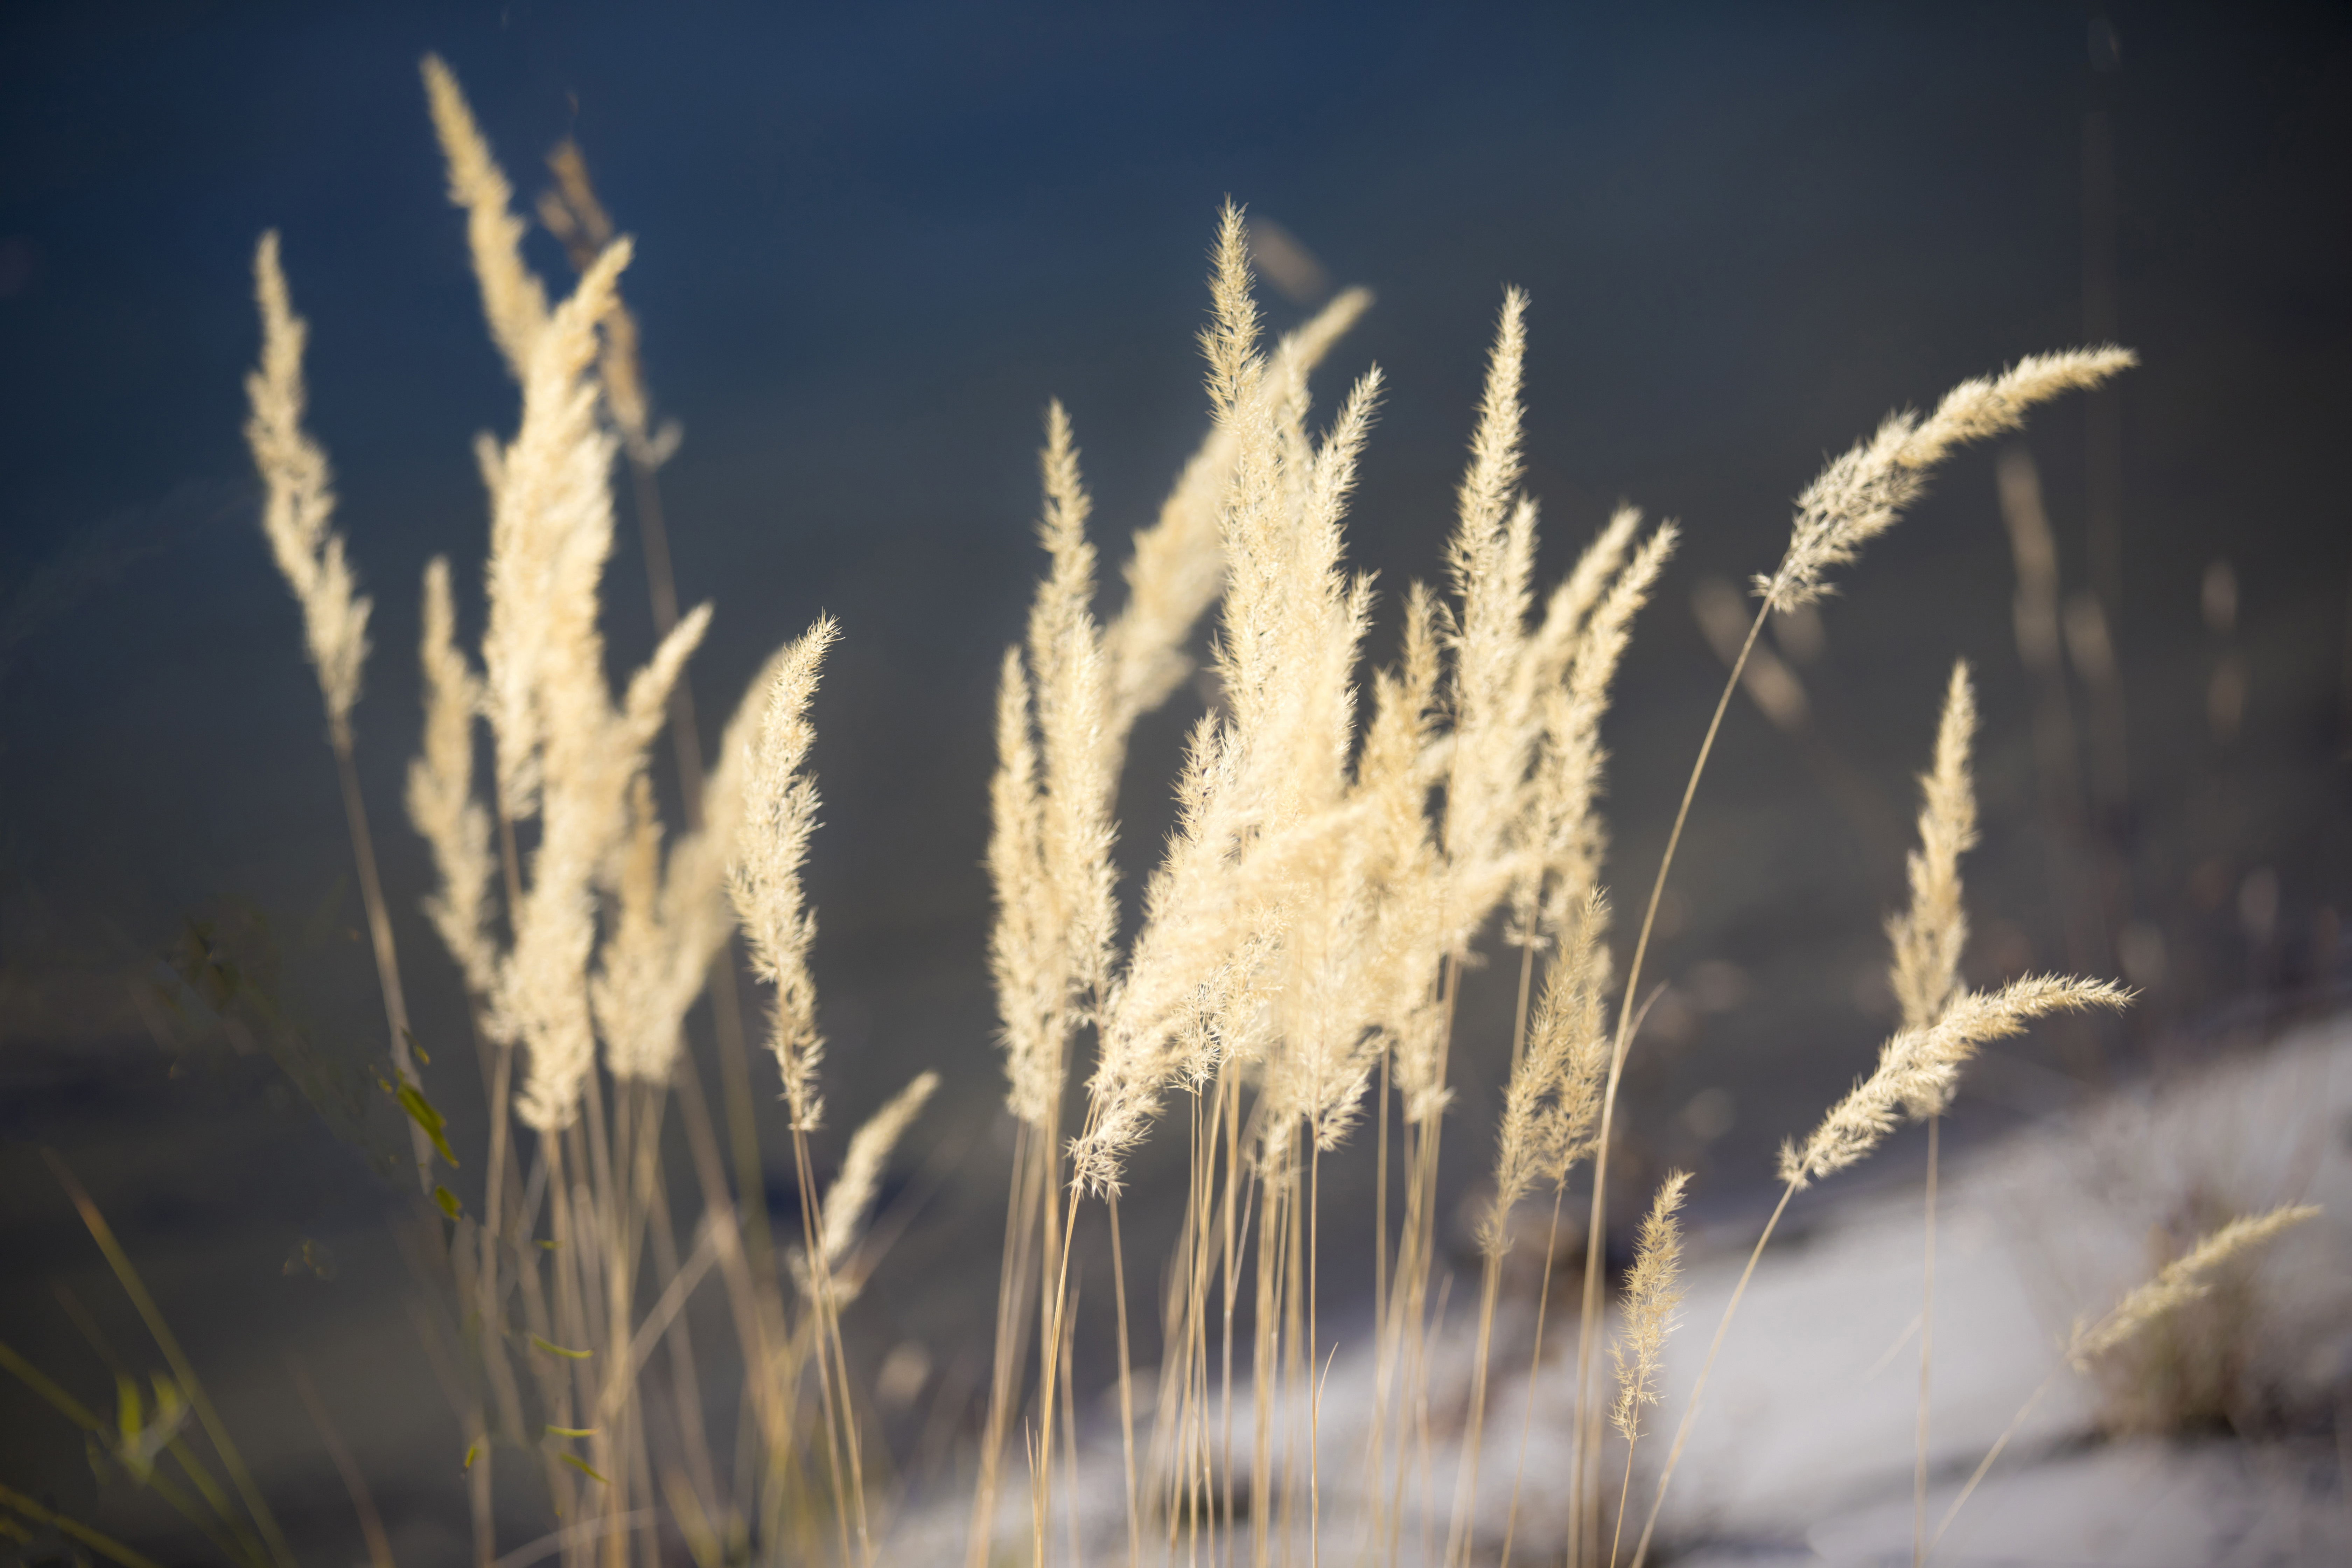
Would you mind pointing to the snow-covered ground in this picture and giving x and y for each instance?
(1804, 1449)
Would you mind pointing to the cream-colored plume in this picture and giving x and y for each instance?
(1862, 493)
(861, 1169)
(573, 215)
(780, 804)
(1553, 1097)
(2180, 1282)
(1929, 937)
(1492, 558)
(1049, 851)
(1562, 836)
(1176, 567)
(1920, 1066)
(1652, 1291)
(673, 914)
(567, 751)
(298, 506)
(441, 800)
(513, 298)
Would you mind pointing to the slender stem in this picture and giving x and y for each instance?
(79, 1532)
(1691, 1406)
(387, 958)
(181, 1368)
(726, 1003)
(1927, 1357)
(1315, 1394)
(836, 1420)
(1520, 1016)
(1126, 1393)
(1993, 1453)
(1535, 1365)
(1021, 1206)
(1586, 1335)
(1048, 1364)
(1625, 1490)
(379, 1545)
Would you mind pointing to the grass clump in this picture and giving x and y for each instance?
(1290, 992)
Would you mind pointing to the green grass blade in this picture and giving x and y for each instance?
(105, 1545)
(215, 1428)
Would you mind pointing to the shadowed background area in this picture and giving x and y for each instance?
(872, 243)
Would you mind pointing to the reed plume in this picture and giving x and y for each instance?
(673, 917)
(571, 212)
(298, 518)
(2180, 1282)
(514, 301)
(1927, 940)
(780, 804)
(1920, 1066)
(1652, 1291)
(567, 751)
(1929, 936)
(1553, 1097)
(1176, 567)
(1563, 836)
(1864, 492)
(1050, 849)
(860, 1176)
(441, 802)
(2177, 1284)
(299, 505)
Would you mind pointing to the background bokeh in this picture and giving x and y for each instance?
(872, 242)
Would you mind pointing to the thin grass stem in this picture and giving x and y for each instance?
(181, 1368)
(1586, 1436)
(1926, 1356)
(387, 957)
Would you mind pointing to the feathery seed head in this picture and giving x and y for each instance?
(861, 1168)
(780, 804)
(1864, 492)
(1930, 935)
(2182, 1281)
(1651, 1292)
(441, 800)
(513, 298)
(1920, 1066)
(299, 504)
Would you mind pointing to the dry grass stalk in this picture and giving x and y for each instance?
(1864, 492)
(860, 1176)
(514, 301)
(1855, 497)
(298, 518)
(1927, 940)
(572, 213)
(441, 802)
(567, 751)
(298, 499)
(1920, 1066)
(1930, 935)
(2178, 1283)
(1553, 1097)
(1652, 1291)
(764, 878)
